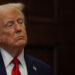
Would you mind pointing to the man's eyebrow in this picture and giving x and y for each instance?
(9, 21)
(20, 19)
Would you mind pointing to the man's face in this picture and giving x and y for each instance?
(12, 29)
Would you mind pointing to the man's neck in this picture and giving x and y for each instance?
(13, 51)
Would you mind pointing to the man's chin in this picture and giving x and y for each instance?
(20, 44)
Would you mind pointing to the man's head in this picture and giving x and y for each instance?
(12, 27)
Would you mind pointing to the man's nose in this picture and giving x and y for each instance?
(18, 28)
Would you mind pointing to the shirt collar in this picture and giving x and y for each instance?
(21, 58)
(7, 58)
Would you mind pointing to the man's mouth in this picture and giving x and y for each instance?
(20, 37)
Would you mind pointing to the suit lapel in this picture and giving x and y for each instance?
(31, 68)
(2, 67)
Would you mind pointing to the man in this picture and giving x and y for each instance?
(13, 38)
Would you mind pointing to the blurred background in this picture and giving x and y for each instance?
(50, 28)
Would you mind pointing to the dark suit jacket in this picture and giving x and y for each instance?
(34, 66)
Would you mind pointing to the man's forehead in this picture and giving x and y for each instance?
(10, 13)
(3, 11)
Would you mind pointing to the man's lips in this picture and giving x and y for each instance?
(20, 37)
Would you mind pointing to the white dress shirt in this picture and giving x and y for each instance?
(7, 58)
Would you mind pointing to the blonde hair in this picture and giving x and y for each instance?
(18, 6)
(10, 6)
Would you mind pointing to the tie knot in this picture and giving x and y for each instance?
(15, 61)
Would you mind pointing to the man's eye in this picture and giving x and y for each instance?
(20, 21)
(9, 24)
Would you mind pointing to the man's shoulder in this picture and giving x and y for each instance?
(42, 67)
(36, 61)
